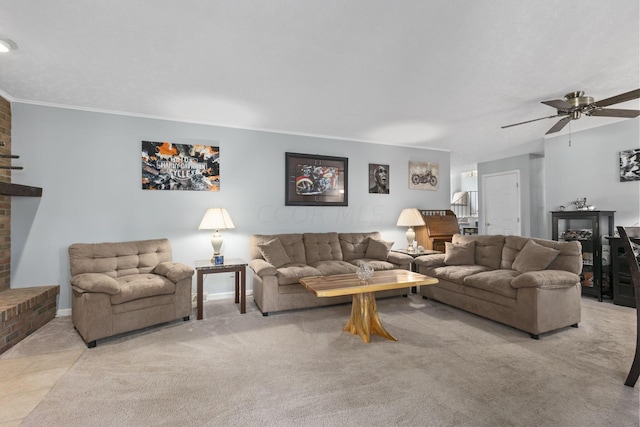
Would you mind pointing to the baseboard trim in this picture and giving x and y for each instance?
(63, 312)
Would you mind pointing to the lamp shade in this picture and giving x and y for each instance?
(216, 219)
(410, 217)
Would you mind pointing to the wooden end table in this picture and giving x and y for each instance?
(415, 254)
(231, 265)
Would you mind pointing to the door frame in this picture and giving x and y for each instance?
(483, 203)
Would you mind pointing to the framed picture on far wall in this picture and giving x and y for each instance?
(378, 178)
(314, 180)
(423, 176)
(630, 165)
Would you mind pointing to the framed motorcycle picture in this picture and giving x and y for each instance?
(314, 180)
(423, 175)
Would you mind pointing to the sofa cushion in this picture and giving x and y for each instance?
(400, 260)
(569, 258)
(135, 286)
(96, 282)
(292, 243)
(435, 260)
(329, 268)
(375, 263)
(273, 252)
(354, 245)
(322, 247)
(378, 249)
(534, 257)
(494, 281)
(456, 273)
(174, 271)
(488, 248)
(118, 258)
(460, 254)
(546, 279)
(292, 273)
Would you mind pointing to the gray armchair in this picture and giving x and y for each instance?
(121, 287)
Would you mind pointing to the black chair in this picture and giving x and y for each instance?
(634, 269)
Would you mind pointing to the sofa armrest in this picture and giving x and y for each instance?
(399, 258)
(96, 282)
(262, 268)
(173, 271)
(430, 261)
(548, 279)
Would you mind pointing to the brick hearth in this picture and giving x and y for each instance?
(23, 311)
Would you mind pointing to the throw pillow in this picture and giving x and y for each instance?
(534, 257)
(460, 254)
(273, 252)
(378, 249)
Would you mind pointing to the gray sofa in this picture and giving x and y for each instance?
(534, 287)
(124, 286)
(279, 261)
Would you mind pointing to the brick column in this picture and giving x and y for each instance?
(5, 201)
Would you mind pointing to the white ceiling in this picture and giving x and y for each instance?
(436, 74)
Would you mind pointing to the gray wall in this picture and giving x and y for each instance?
(88, 165)
(576, 165)
(589, 167)
(529, 166)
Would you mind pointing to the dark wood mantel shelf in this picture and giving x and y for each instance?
(8, 189)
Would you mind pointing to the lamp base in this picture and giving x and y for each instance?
(411, 236)
(216, 242)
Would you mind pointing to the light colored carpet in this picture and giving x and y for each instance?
(449, 368)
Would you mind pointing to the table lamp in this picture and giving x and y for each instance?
(216, 219)
(410, 217)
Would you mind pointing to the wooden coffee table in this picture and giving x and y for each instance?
(364, 319)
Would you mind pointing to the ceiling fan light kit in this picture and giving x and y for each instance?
(5, 46)
(575, 104)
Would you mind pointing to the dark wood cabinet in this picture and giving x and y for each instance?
(589, 228)
(440, 226)
(623, 293)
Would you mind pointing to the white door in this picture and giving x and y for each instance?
(501, 203)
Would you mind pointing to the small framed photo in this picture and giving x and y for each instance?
(314, 180)
(423, 176)
(378, 178)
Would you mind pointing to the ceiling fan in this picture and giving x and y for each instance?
(575, 104)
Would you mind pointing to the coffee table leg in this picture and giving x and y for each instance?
(364, 319)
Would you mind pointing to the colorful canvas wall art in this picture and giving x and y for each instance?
(168, 166)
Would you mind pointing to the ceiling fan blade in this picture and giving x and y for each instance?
(558, 104)
(534, 120)
(634, 94)
(613, 112)
(558, 126)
